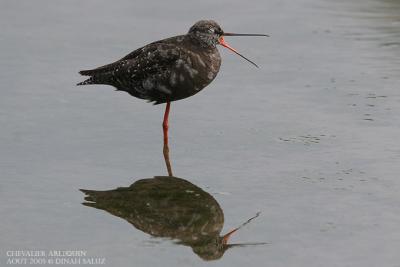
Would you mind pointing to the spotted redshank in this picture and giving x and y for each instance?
(168, 70)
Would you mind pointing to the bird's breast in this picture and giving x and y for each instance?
(207, 65)
(195, 70)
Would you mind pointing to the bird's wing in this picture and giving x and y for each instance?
(138, 53)
(105, 68)
(140, 74)
(153, 59)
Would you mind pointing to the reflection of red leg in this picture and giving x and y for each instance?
(165, 131)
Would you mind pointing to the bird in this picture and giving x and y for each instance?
(168, 70)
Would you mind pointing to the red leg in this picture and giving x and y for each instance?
(165, 131)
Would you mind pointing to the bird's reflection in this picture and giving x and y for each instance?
(170, 207)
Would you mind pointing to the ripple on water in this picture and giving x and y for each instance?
(307, 139)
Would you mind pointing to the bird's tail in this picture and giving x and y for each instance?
(88, 72)
(96, 76)
(93, 79)
(87, 81)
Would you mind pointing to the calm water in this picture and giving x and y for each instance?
(310, 140)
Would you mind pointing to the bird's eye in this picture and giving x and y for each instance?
(211, 30)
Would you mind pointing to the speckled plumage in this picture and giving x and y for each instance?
(166, 70)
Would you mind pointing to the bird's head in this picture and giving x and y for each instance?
(208, 34)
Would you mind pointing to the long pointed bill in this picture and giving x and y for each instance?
(246, 244)
(226, 237)
(244, 34)
(224, 44)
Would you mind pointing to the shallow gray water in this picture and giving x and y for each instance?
(310, 139)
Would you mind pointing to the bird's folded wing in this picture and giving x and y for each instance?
(151, 56)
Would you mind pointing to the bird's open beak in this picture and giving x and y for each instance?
(224, 44)
(226, 237)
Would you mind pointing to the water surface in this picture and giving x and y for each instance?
(310, 139)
